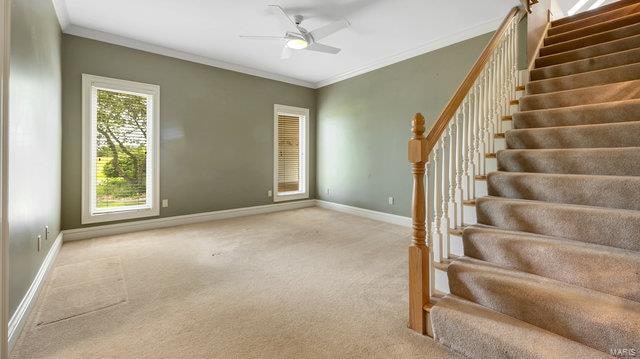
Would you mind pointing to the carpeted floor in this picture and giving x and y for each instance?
(309, 283)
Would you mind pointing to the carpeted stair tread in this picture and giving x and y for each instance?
(585, 190)
(589, 40)
(619, 91)
(605, 269)
(595, 319)
(621, 134)
(605, 226)
(593, 29)
(588, 161)
(589, 18)
(585, 79)
(625, 57)
(604, 48)
(478, 332)
(609, 112)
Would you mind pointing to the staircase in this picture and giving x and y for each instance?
(551, 267)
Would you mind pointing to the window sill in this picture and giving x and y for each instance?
(119, 215)
(290, 196)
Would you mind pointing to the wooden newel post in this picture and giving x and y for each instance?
(419, 256)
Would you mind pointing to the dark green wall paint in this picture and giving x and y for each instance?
(364, 124)
(216, 149)
(34, 140)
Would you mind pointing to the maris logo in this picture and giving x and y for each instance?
(623, 352)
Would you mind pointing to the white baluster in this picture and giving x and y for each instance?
(445, 222)
(459, 164)
(476, 129)
(483, 123)
(453, 143)
(437, 204)
(466, 147)
(429, 217)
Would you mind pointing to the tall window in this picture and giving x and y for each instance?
(120, 154)
(291, 164)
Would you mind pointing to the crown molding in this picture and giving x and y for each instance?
(433, 45)
(160, 50)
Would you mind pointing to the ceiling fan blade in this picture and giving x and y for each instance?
(262, 37)
(329, 29)
(323, 48)
(286, 53)
(284, 18)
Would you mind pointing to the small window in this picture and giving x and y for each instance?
(120, 149)
(291, 161)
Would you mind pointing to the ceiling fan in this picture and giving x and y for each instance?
(298, 38)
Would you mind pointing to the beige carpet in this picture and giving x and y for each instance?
(309, 283)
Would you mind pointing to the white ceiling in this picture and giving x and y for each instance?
(382, 31)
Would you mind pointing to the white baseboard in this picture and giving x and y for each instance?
(367, 213)
(17, 321)
(119, 228)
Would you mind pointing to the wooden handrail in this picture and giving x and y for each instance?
(467, 83)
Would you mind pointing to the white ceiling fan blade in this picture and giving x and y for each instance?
(286, 53)
(262, 37)
(327, 30)
(284, 18)
(323, 48)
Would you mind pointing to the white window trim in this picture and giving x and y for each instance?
(153, 149)
(304, 152)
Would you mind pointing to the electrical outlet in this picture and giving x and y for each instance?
(269, 193)
(46, 232)
(391, 200)
(165, 203)
(39, 242)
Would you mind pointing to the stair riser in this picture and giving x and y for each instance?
(612, 35)
(470, 215)
(598, 268)
(587, 115)
(481, 189)
(592, 64)
(599, 191)
(592, 95)
(594, 136)
(597, 28)
(559, 311)
(588, 52)
(613, 162)
(441, 283)
(558, 27)
(600, 77)
(602, 226)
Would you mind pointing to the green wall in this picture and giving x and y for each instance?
(364, 124)
(216, 149)
(34, 141)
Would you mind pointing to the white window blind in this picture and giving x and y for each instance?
(291, 161)
(288, 153)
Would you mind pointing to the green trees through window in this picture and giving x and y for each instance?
(121, 149)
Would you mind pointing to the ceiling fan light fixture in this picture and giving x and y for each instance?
(297, 44)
